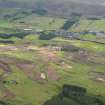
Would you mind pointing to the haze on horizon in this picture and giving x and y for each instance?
(91, 7)
(98, 2)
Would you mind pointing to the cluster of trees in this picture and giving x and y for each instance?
(18, 35)
(7, 41)
(70, 22)
(70, 90)
(40, 11)
(46, 36)
(18, 15)
(70, 48)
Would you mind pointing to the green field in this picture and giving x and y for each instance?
(89, 25)
(73, 70)
(42, 23)
(34, 71)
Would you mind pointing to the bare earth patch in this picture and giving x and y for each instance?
(8, 48)
(29, 69)
(43, 77)
(98, 77)
(5, 66)
(48, 55)
(52, 74)
(8, 94)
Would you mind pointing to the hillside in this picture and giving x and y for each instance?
(34, 70)
(52, 53)
(84, 24)
(60, 7)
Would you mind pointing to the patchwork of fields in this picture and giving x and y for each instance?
(33, 71)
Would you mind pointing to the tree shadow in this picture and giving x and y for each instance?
(7, 41)
(74, 95)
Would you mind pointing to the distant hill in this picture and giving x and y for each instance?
(61, 7)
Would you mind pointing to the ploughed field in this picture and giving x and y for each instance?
(49, 72)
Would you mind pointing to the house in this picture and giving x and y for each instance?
(27, 29)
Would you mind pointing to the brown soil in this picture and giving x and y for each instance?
(52, 74)
(33, 74)
(8, 48)
(29, 69)
(48, 55)
(8, 94)
(81, 56)
(5, 67)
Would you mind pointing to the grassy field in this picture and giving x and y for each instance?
(89, 25)
(33, 71)
(13, 19)
(42, 23)
(27, 88)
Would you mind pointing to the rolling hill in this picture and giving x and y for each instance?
(61, 7)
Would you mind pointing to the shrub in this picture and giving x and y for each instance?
(69, 90)
(40, 11)
(46, 36)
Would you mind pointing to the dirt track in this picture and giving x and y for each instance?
(5, 67)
